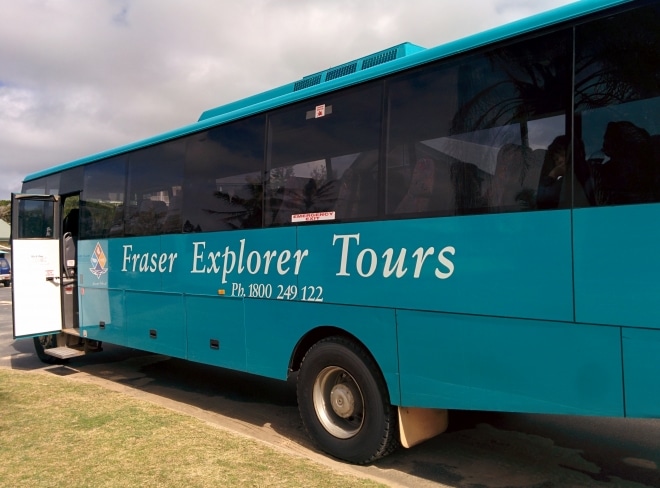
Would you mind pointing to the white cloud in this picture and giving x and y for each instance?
(81, 77)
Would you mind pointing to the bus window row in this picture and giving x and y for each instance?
(568, 118)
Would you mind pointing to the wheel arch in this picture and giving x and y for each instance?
(275, 343)
(372, 329)
(319, 333)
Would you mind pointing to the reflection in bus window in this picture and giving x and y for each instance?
(102, 197)
(471, 137)
(617, 99)
(327, 161)
(223, 188)
(155, 178)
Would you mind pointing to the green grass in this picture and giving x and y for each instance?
(57, 432)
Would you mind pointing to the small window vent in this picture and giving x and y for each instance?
(341, 71)
(307, 82)
(380, 58)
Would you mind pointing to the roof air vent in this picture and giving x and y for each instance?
(307, 82)
(380, 58)
(347, 69)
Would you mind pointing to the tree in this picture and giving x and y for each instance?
(5, 210)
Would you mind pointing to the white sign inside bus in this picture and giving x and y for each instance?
(312, 217)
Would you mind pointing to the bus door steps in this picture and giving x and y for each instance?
(70, 350)
(64, 352)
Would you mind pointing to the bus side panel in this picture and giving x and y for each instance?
(102, 315)
(479, 363)
(216, 332)
(156, 322)
(512, 265)
(273, 328)
(641, 350)
(617, 265)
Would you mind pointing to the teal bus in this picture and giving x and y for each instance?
(463, 227)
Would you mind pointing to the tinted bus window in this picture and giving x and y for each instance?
(223, 174)
(323, 157)
(102, 200)
(472, 135)
(67, 182)
(35, 219)
(617, 97)
(155, 179)
(71, 181)
(48, 185)
(35, 187)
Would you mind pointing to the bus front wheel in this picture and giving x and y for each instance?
(343, 402)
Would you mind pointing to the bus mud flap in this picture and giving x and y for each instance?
(419, 424)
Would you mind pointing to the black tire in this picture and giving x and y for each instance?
(344, 403)
(46, 342)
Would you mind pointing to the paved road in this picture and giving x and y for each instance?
(480, 450)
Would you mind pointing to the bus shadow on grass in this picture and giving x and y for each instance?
(476, 449)
(247, 400)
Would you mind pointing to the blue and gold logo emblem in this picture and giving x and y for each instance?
(99, 261)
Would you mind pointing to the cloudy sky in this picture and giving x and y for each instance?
(81, 76)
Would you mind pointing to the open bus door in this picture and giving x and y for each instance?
(43, 278)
